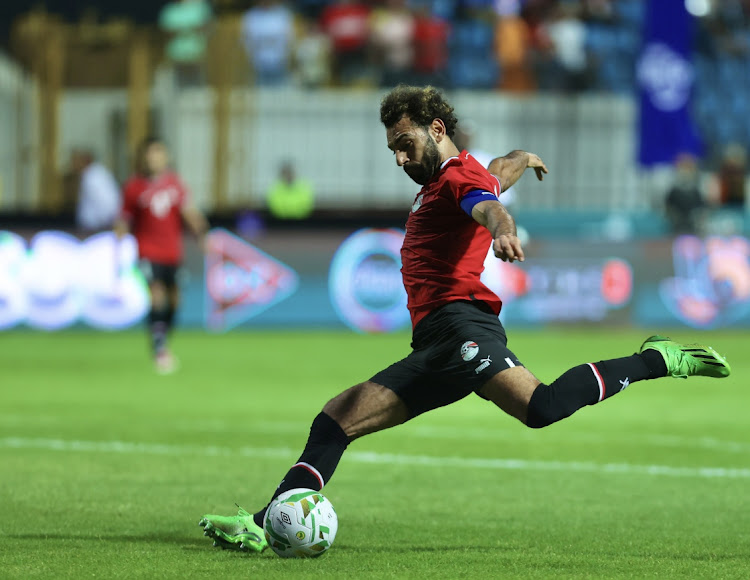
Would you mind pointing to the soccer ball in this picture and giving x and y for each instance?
(300, 523)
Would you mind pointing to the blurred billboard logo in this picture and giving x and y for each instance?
(711, 286)
(547, 290)
(241, 280)
(365, 282)
(58, 281)
(666, 76)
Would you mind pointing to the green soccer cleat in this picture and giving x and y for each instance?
(688, 360)
(234, 532)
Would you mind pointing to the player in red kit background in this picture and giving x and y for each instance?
(459, 346)
(155, 206)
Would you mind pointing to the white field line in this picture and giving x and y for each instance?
(376, 458)
(485, 434)
(429, 432)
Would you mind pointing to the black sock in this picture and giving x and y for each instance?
(157, 327)
(169, 318)
(325, 446)
(589, 384)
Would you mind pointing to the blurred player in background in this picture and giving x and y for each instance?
(155, 207)
(459, 344)
(98, 201)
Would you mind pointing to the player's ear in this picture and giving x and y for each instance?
(437, 129)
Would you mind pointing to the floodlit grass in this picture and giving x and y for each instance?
(106, 467)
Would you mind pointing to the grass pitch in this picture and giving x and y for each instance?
(106, 467)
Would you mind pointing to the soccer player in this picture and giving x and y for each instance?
(155, 206)
(459, 344)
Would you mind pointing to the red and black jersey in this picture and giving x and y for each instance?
(154, 209)
(443, 254)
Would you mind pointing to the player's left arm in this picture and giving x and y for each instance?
(196, 223)
(493, 216)
(192, 217)
(510, 168)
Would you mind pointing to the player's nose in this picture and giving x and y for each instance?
(401, 158)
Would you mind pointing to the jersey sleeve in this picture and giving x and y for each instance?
(472, 185)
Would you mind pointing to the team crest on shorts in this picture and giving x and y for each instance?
(469, 350)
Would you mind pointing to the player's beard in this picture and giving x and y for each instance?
(423, 171)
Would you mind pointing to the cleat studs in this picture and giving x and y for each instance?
(216, 544)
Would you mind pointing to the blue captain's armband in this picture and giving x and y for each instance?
(474, 197)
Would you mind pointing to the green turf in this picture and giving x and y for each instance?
(106, 467)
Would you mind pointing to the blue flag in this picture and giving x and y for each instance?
(666, 79)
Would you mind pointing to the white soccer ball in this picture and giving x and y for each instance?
(300, 523)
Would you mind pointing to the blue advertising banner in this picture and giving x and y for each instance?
(51, 280)
(665, 80)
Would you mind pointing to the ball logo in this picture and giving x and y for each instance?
(300, 535)
(666, 76)
(469, 350)
(286, 519)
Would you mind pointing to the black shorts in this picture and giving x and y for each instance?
(457, 349)
(156, 272)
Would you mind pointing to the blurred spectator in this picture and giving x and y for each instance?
(346, 22)
(267, 34)
(600, 10)
(186, 22)
(430, 47)
(290, 198)
(731, 177)
(512, 38)
(684, 203)
(312, 56)
(99, 195)
(563, 60)
(475, 9)
(392, 38)
(730, 27)
(310, 9)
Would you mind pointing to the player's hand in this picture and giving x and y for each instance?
(508, 248)
(536, 163)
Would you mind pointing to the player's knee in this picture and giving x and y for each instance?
(159, 300)
(543, 410)
(341, 406)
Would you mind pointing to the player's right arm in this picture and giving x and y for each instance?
(493, 216)
(510, 168)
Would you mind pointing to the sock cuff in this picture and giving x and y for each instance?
(324, 425)
(654, 360)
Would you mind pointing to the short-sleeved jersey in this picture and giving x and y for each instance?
(443, 254)
(153, 207)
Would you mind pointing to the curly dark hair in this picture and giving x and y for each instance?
(420, 104)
